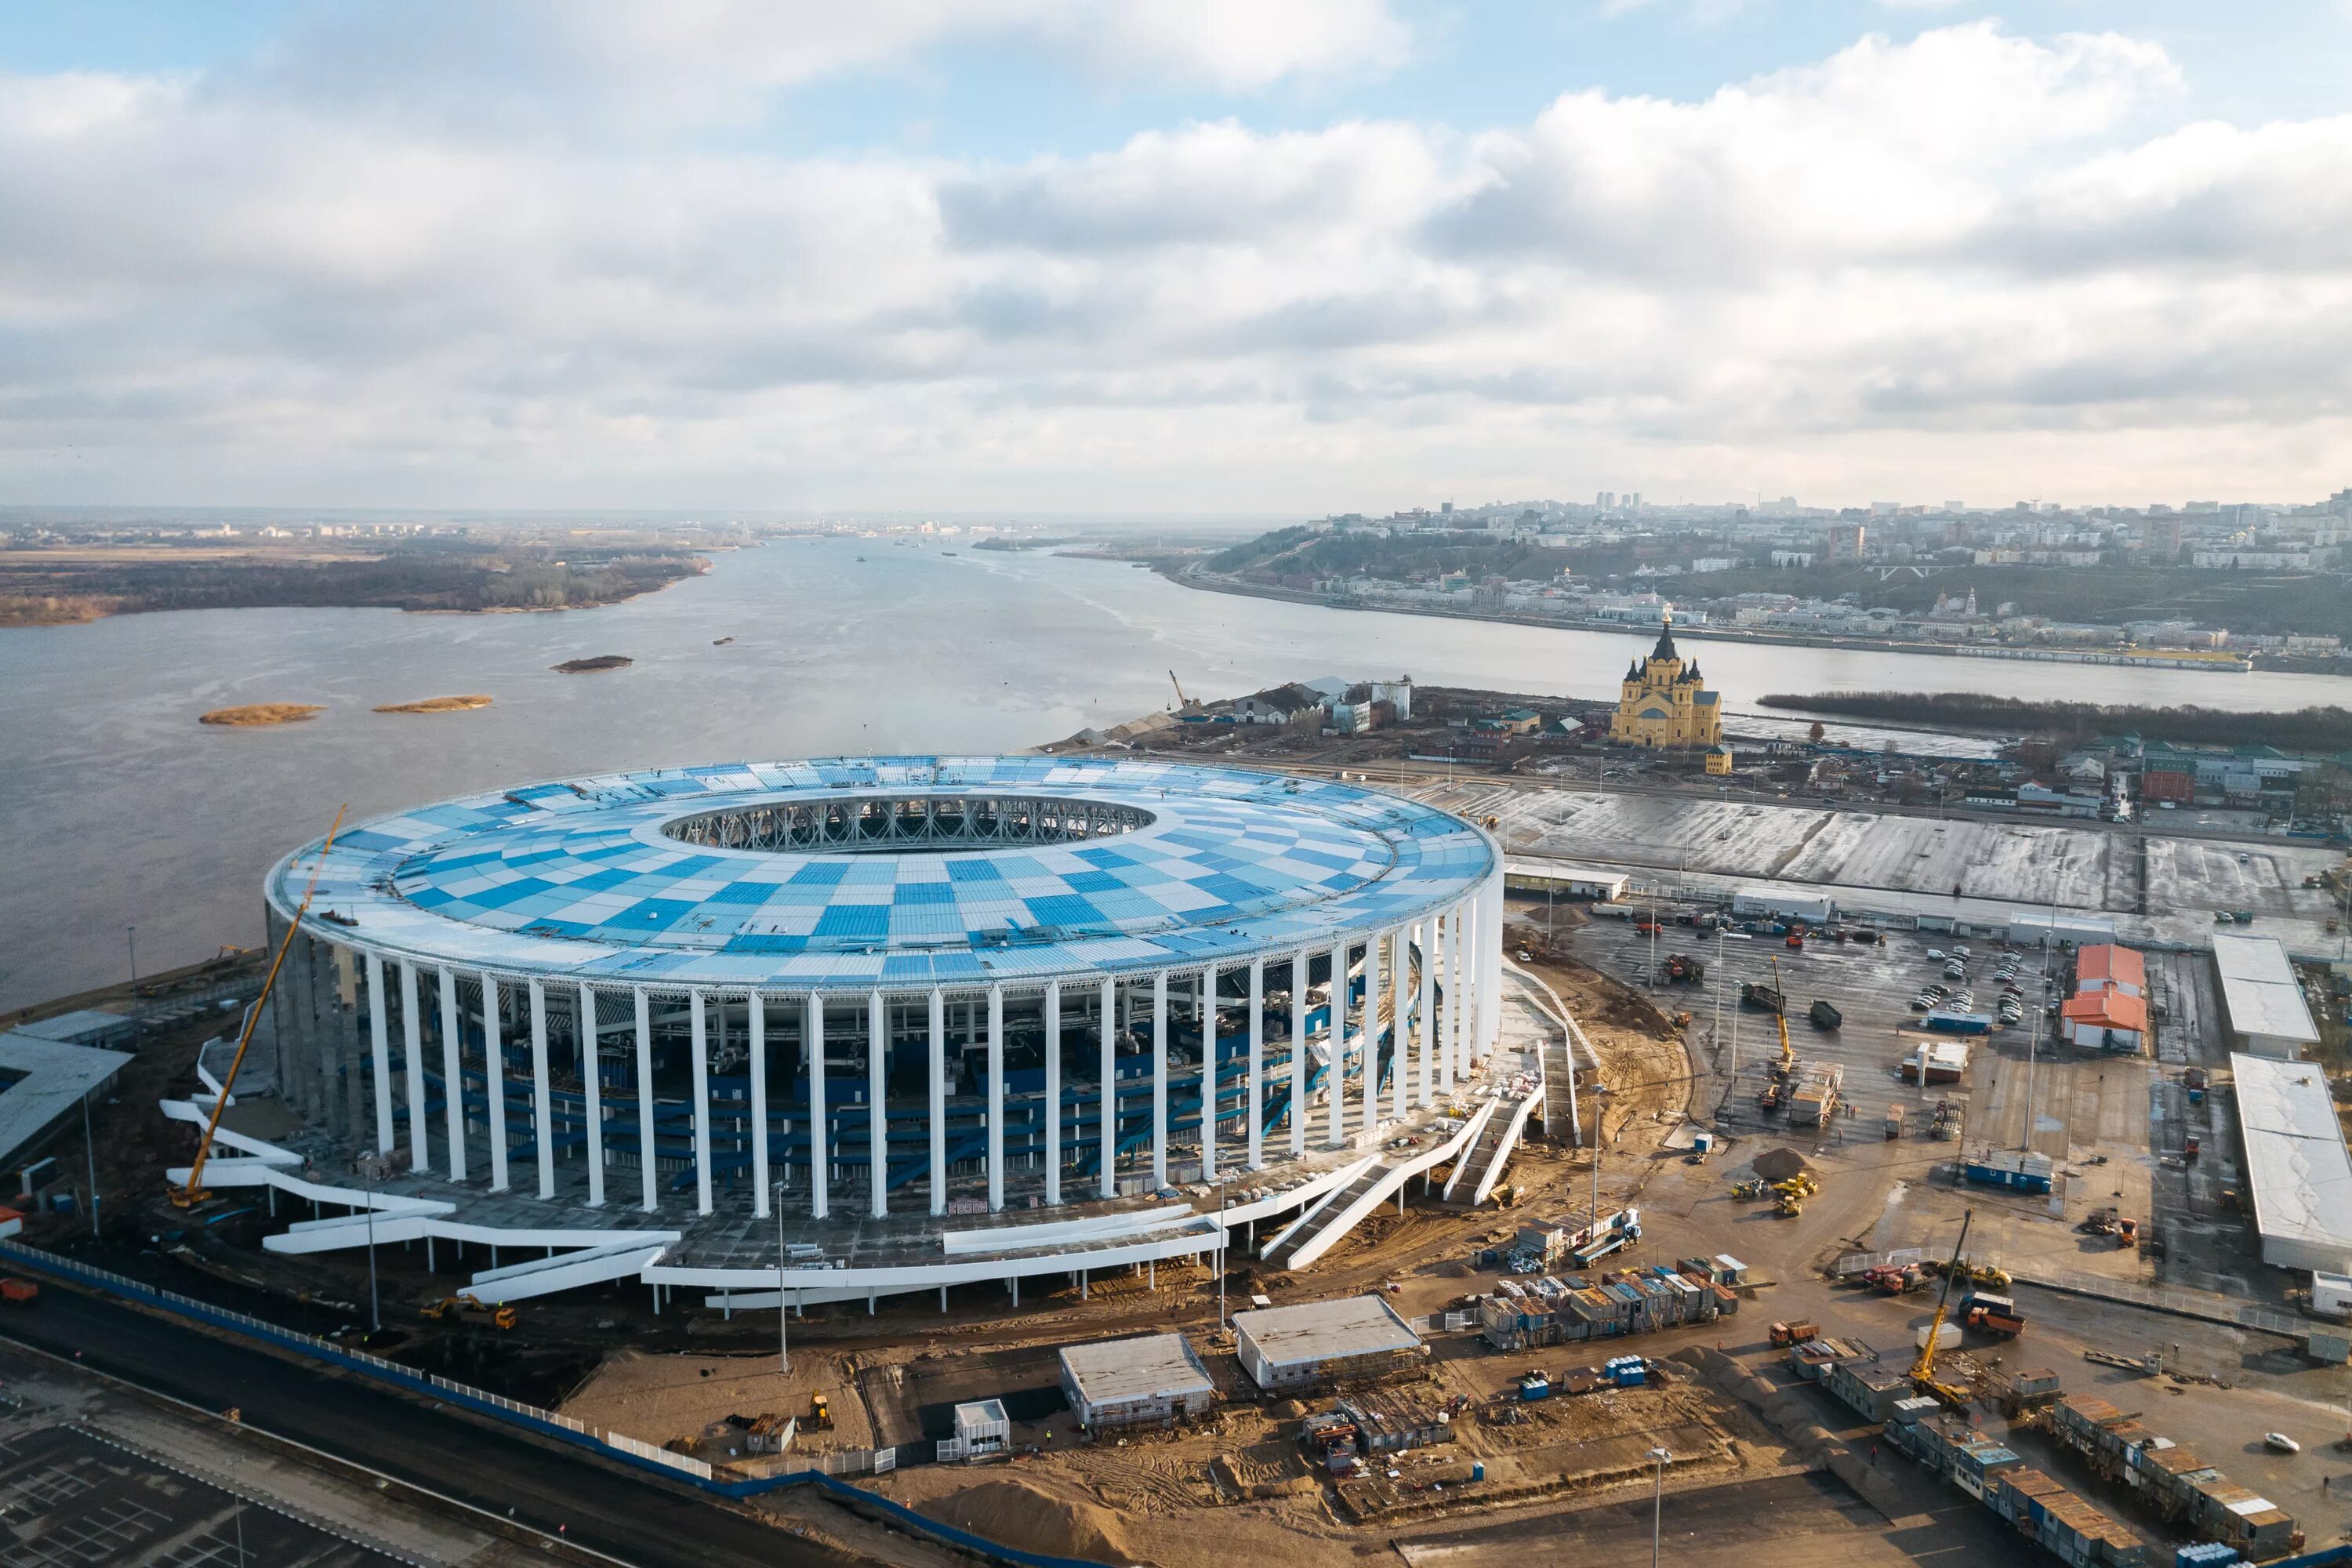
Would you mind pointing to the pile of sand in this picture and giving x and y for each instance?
(1015, 1513)
(437, 705)
(254, 713)
(1780, 1165)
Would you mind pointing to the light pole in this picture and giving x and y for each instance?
(130, 934)
(90, 1148)
(1224, 1200)
(783, 1347)
(375, 1313)
(1657, 1500)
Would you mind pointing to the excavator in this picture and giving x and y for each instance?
(193, 1194)
(1923, 1371)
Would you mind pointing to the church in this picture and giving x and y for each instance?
(1663, 704)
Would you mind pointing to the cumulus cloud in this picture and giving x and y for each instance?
(1972, 259)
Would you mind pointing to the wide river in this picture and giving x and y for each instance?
(118, 809)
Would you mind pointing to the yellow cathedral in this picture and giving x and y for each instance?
(1663, 704)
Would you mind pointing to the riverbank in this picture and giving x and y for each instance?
(1191, 577)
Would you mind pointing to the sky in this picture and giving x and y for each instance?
(1168, 256)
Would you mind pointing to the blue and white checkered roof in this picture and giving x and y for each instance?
(576, 880)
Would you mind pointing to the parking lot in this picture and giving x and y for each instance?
(1871, 986)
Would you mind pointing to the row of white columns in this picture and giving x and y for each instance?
(1439, 1028)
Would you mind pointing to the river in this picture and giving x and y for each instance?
(118, 809)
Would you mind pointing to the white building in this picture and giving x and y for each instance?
(2261, 1000)
(1315, 1342)
(1127, 1383)
(2296, 1166)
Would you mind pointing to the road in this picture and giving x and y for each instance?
(599, 1506)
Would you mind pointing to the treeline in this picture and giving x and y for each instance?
(2325, 729)
(400, 581)
(1401, 558)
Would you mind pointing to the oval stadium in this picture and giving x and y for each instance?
(849, 1027)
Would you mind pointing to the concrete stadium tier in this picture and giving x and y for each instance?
(841, 1027)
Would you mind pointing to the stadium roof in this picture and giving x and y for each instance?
(2296, 1162)
(580, 880)
(2259, 990)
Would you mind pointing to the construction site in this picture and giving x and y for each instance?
(1505, 1217)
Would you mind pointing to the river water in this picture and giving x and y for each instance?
(118, 809)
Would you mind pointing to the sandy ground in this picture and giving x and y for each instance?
(257, 713)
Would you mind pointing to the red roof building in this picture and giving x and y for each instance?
(2108, 1018)
(2105, 963)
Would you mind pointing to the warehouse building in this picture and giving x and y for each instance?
(1133, 1382)
(42, 1083)
(1321, 1342)
(2261, 998)
(1564, 881)
(2296, 1164)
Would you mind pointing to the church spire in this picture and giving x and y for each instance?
(1665, 648)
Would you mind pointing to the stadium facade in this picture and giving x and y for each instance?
(851, 1027)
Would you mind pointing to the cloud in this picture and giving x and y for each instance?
(1971, 262)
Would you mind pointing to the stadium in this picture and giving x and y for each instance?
(836, 1029)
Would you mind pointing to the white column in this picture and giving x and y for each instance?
(380, 1047)
(1338, 1097)
(1159, 1081)
(1399, 1025)
(453, 1076)
(877, 1123)
(1299, 1052)
(412, 1042)
(939, 1103)
(1255, 1137)
(543, 1105)
(701, 1040)
(1454, 997)
(1053, 1092)
(1426, 1024)
(1109, 1162)
(995, 1098)
(1209, 1073)
(494, 1079)
(649, 1175)
(820, 1138)
(758, 1016)
(592, 1084)
(1490, 964)
(1373, 1030)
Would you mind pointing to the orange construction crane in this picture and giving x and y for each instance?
(192, 1194)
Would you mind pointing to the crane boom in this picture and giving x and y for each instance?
(194, 1192)
(1923, 1371)
(1781, 1016)
(1183, 702)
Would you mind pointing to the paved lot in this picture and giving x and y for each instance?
(71, 1500)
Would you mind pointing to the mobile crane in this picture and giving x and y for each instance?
(1923, 1371)
(1787, 1065)
(194, 1193)
(1183, 703)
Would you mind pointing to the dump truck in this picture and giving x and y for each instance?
(1822, 1015)
(1990, 1314)
(1795, 1333)
(16, 1293)
(1754, 993)
(1894, 1125)
(1681, 970)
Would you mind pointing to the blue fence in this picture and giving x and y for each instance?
(607, 1443)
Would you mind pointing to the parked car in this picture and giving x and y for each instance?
(2279, 1442)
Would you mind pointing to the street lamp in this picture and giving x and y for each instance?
(130, 934)
(1657, 1499)
(376, 1312)
(784, 1350)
